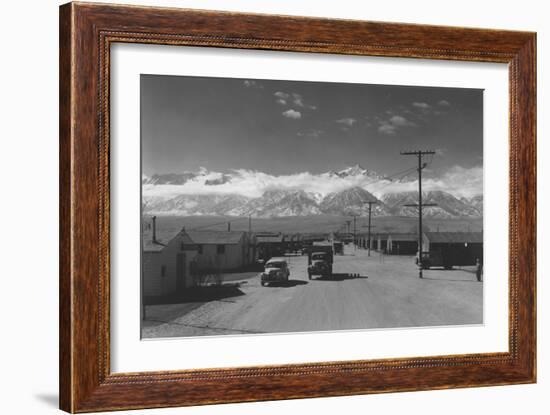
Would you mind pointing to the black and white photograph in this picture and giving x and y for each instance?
(278, 206)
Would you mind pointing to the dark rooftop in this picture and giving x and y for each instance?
(404, 236)
(163, 239)
(269, 238)
(455, 237)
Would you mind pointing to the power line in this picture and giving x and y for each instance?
(406, 173)
(391, 176)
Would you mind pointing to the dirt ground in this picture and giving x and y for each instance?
(364, 292)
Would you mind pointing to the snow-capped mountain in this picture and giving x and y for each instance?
(476, 201)
(275, 203)
(448, 206)
(356, 170)
(352, 201)
(188, 205)
(213, 193)
(181, 178)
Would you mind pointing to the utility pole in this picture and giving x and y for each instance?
(249, 223)
(419, 154)
(228, 226)
(370, 226)
(348, 223)
(354, 232)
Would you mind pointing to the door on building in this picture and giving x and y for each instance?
(181, 272)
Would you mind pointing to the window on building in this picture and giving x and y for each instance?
(220, 249)
(199, 249)
(163, 271)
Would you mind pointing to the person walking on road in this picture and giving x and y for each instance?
(479, 269)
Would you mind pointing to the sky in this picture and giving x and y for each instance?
(281, 127)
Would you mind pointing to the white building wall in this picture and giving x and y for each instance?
(154, 283)
(233, 258)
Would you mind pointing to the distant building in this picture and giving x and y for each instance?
(448, 249)
(269, 245)
(292, 242)
(223, 250)
(380, 242)
(402, 244)
(166, 261)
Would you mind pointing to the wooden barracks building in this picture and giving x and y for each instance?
(171, 260)
(166, 261)
(223, 250)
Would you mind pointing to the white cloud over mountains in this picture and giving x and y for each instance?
(293, 114)
(461, 182)
(348, 122)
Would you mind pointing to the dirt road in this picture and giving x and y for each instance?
(365, 292)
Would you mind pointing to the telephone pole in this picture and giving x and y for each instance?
(370, 226)
(419, 154)
(354, 232)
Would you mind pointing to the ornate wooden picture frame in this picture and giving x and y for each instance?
(87, 32)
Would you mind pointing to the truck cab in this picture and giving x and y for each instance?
(320, 261)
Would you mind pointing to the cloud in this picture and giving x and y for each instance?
(386, 128)
(285, 98)
(444, 103)
(249, 83)
(310, 133)
(421, 105)
(282, 95)
(391, 125)
(293, 114)
(298, 100)
(400, 121)
(348, 122)
(457, 180)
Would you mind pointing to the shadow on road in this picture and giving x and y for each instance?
(340, 277)
(289, 283)
(199, 294)
(449, 279)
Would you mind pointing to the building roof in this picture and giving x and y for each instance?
(150, 246)
(164, 238)
(403, 236)
(264, 239)
(322, 243)
(455, 237)
(216, 237)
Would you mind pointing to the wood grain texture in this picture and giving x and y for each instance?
(86, 33)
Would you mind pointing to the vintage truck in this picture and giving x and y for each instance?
(320, 259)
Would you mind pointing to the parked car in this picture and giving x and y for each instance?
(276, 270)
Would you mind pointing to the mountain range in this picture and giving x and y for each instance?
(281, 202)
